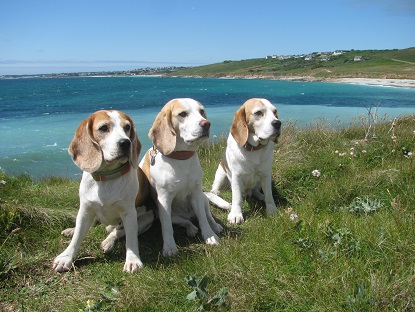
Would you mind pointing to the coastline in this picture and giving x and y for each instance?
(382, 82)
(398, 83)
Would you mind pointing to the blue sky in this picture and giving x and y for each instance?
(45, 36)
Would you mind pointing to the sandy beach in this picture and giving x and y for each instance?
(398, 83)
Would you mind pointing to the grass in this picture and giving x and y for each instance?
(375, 64)
(341, 241)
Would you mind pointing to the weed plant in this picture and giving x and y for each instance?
(343, 238)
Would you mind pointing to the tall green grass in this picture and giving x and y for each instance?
(341, 241)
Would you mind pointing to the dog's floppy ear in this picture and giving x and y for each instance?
(278, 136)
(206, 143)
(135, 149)
(239, 128)
(162, 133)
(85, 151)
(135, 144)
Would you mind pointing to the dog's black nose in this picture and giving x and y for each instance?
(205, 124)
(124, 144)
(276, 124)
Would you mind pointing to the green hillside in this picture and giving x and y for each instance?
(373, 64)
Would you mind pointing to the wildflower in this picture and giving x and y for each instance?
(3, 182)
(316, 173)
(288, 210)
(364, 151)
(293, 217)
(91, 305)
(336, 152)
(410, 154)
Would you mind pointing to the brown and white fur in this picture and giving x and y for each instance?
(247, 163)
(179, 128)
(104, 142)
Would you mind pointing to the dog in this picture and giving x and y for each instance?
(175, 174)
(247, 163)
(106, 148)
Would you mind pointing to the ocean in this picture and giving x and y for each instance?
(38, 116)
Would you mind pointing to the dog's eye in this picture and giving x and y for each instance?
(183, 114)
(275, 113)
(104, 128)
(202, 112)
(127, 128)
(258, 113)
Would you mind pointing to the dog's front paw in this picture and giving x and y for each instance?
(108, 244)
(258, 195)
(133, 264)
(271, 210)
(62, 263)
(191, 230)
(68, 232)
(235, 217)
(169, 251)
(217, 228)
(213, 240)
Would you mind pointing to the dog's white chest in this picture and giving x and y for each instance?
(107, 200)
(177, 177)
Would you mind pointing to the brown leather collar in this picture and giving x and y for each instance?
(181, 155)
(101, 176)
(251, 148)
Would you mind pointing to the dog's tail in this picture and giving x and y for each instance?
(218, 201)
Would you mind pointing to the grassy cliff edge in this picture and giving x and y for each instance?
(342, 240)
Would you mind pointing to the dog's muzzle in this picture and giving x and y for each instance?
(125, 146)
(205, 125)
(276, 124)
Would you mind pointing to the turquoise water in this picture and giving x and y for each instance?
(38, 117)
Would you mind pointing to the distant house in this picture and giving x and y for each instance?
(358, 58)
(337, 53)
(268, 57)
(308, 57)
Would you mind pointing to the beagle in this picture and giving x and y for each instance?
(106, 148)
(247, 163)
(173, 169)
